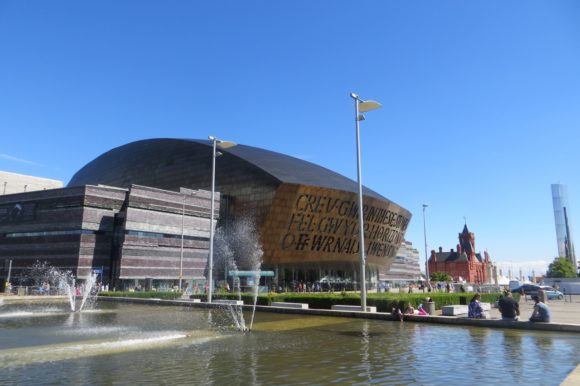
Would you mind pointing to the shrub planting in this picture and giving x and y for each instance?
(142, 294)
(384, 302)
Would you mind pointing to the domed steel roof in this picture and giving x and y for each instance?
(170, 163)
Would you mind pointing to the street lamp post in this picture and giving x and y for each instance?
(361, 106)
(224, 145)
(181, 253)
(426, 255)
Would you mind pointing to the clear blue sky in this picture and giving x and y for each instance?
(481, 99)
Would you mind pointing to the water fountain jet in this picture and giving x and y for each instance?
(238, 248)
(49, 278)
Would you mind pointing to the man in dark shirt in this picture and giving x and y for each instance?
(509, 308)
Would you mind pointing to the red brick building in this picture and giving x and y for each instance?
(464, 263)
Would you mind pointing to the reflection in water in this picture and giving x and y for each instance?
(513, 350)
(124, 344)
(544, 343)
(480, 341)
(364, 350)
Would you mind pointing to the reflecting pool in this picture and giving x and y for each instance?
(119, 344)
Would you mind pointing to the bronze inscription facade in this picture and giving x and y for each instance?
(323, 224)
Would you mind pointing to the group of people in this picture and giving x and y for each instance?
(510, 309)
(410, 310)
(44, 289)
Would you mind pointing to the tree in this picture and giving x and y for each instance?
(561, 267)
(440, 276)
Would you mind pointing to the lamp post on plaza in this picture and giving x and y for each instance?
(426, 256)
(181, 253)
(224, 145)
(361, 106)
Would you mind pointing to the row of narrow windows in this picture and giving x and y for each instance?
(52, 233)
(140, 234)
(163, 235)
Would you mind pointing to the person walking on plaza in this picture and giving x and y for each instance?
(508, 307)
(541, 311)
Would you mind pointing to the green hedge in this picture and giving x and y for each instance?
(142, 295)
(384, 302)
(439, 298)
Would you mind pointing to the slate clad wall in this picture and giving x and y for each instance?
(129, 233)
(158, 215)
(101, 204)
(49, 225)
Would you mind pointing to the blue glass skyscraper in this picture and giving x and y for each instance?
(563, 226)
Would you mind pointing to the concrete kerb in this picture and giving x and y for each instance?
(290, 305)
(446, 320)
(573, 379)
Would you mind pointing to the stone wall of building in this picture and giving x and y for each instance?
(11, 183)
(130, 233)
(154, 222)
(68, 228)
(405, 266)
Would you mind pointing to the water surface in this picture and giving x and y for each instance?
(119, 344)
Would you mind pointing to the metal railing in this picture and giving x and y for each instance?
(34, 291)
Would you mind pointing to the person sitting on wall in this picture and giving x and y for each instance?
(421, 311)
(474, 309)
(397, 314)
(409, 310)
(47, 288)
(541, 311)
(508, 307)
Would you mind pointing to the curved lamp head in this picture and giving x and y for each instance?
(226, 144)
(365, 106)
(222, 144)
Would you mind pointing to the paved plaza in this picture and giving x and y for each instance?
(563, 311)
